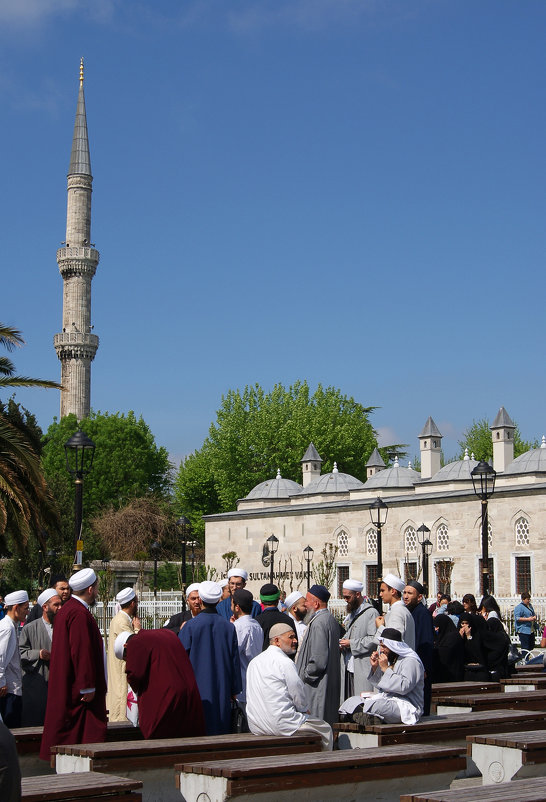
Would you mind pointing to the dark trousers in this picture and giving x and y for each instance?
(11, 708)
(527, 641)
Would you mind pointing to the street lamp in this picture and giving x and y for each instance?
(193, 544)
(185, 525)
(155, 548)
(273, 544)
(483, 479)
(79, 452)
(308, 554)
(426, 546)
(378, 515)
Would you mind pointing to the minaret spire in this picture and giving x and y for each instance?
(76, 346)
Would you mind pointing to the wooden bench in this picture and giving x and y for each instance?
(80, 788)
(517, 791)
(507, 755)
(530, 668)
(456, 688)
(436, 729)
(378, 774)
(523, 683)
(526, 700)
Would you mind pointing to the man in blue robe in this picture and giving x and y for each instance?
(211, 644)
(237, 578)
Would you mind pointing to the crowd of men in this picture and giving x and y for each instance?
(231, 663)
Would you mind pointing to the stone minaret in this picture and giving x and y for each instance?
(76, 346)
(430, 443)
(502, 431)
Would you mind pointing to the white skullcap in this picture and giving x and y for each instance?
(125, 596)
(82, 579)
(237, 572)
(223, 583)
(279, 629)
(46, 596)
(394, 582)
(354, 585)
(191, 588)
(292, 599)
(16, 597)
(210, 592)
(120, 642)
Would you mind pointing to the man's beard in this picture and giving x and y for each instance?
(50, 616)
(299, 614)
(353, 605)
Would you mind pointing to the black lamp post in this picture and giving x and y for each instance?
(273, 545)
(193, 544)
(155, 548)
(426, 546)
(308, 554)
(483, 479)
(79, 452)
(378, 515)
(185, 525)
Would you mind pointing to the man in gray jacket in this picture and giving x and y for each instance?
(35, 651)
(318, 657)
(358, 642)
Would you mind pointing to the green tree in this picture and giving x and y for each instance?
(128, 464)
(257, 432)
(477, 438)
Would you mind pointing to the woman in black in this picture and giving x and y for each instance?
(475, 666)
(448, 654)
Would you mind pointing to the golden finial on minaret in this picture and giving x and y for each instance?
(81, 71)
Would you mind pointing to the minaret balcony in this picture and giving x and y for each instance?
(80, 252)
(77, 338)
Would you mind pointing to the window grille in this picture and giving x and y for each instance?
(522, 532)
(442, 538)
(371, 541)
(410, 540)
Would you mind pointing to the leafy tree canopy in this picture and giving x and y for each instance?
(128, 464)
(477, 438)
(257, 432)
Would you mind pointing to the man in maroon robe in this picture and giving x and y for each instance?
(76, 703)
(159, 671)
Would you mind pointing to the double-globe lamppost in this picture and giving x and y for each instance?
(426, 548)
(185, 526)
(79, 453)
(378, 515)
(483, 479)
(308, 555)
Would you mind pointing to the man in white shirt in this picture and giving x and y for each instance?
(250, 635)
(276, 698)
(11, 678)
(296, 609)
(398, 616)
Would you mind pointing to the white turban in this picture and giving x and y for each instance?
(292, 599)
(222, 583)
(210, 592)
(353, 585)
(125, 596)
(237, 572)
(46, 596)
(394, 582)
(82, 579)
(120, 642)
(191, 588)
(16, 597)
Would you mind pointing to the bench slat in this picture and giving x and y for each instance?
(79, 786)
(455, 688)
(524, 700)
(518, 740)
(531, 790)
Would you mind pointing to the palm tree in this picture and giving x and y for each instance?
(25, 501)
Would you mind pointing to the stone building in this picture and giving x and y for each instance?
(334, 508)
(76, 345)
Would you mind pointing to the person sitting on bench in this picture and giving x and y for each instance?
(398, 674)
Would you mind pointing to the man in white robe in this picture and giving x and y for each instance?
(35, 651)
(398, 617)
(11, 677)
(296, 609)
(358, 642)
(397, 673)
(276, 697)
(124, 621)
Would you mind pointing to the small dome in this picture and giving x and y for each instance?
(394, 477)
(333, 482)
(531, 462)
(456, 471)
(275, 488)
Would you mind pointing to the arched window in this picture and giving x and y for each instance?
(371, 541)
(522, 532)
(410, 540)
(342, 544)
(442, 538)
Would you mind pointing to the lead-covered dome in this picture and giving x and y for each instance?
(394, 477)
(533, 461)
(457, 471)
(333, 482)
(275, 488)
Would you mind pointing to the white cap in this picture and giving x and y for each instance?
(191, 588)
(46, 596)
(222, 583)
(292, 599)
(120, 642)
(82, 579)
(237, 572)
(16, 597)
(125, 596)
(354, 585)
(394, 582)
(210, 592)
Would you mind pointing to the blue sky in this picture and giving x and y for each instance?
(346, 191)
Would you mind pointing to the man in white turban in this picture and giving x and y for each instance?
(124, 621)
(398, 617)
(11, 678)
(35, 650)
(358, 642)
(237, 579)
